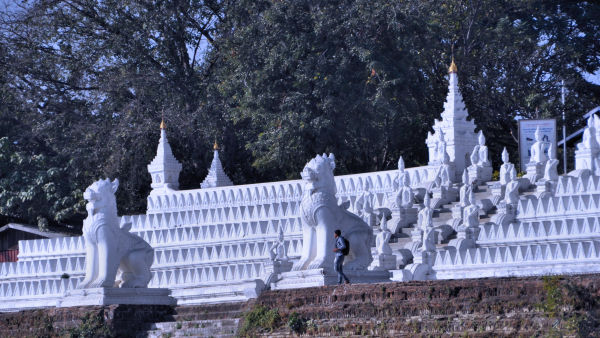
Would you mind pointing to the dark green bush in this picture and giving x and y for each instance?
(297, 323)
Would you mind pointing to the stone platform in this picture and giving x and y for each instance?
(321, 277)
(110, 296)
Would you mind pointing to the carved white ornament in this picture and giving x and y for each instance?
(551, 171)
(465, 189)
(512, 189)
(471, 212)
(383, 237)
(538, 148)
(505, 168)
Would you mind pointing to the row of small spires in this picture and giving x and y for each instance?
(165, 168)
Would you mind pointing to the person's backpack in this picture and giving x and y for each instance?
(346, 251)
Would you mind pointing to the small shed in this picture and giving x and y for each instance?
(12, 233)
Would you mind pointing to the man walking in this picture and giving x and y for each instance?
(341, 249)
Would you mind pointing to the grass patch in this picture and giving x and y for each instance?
(92, 325)
(259, 319)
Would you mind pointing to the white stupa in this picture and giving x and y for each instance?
(216, 175)
(164, 168)
(457, 132)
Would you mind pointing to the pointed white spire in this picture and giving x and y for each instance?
(216, 175)
(458, 132)
(454, 107)
(401, 164)
(164, 168)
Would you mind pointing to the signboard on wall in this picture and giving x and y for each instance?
(527, 137)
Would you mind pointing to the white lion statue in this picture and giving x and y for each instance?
(110, 248)
(321, 216)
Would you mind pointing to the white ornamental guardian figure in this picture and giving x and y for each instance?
(321, 216)
(110, 248)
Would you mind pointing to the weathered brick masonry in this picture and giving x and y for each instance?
(533, 306)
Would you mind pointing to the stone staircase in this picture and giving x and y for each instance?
(442, 215)
(217, 320)
(195, 328)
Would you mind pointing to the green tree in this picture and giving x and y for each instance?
(83, 84)
(365, 79)
(90, 80)
(37, 188)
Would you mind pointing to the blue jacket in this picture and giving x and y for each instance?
(340, 245)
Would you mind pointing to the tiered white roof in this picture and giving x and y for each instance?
(216, 175)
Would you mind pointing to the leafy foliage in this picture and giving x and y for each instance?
(297, 323)
(573, 309)
(34, 184)
(83, 84)
(92, 325)
(259, 319)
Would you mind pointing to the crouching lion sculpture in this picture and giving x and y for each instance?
(110, 248)
(321, 216)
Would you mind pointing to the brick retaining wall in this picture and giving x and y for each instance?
(533, 306)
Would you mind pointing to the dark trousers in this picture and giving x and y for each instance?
(337, 266)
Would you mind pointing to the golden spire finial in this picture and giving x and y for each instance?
(452, 68)
(216, 145)
(162, 120)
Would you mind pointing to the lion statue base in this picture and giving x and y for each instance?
(321, 216)
(111, 249)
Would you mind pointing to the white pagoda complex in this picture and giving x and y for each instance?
(223, 242)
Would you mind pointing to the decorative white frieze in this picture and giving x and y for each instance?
(558, 207)
(560, 253)
(571, 229)
(577, 185)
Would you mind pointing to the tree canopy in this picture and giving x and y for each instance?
(83, 85)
